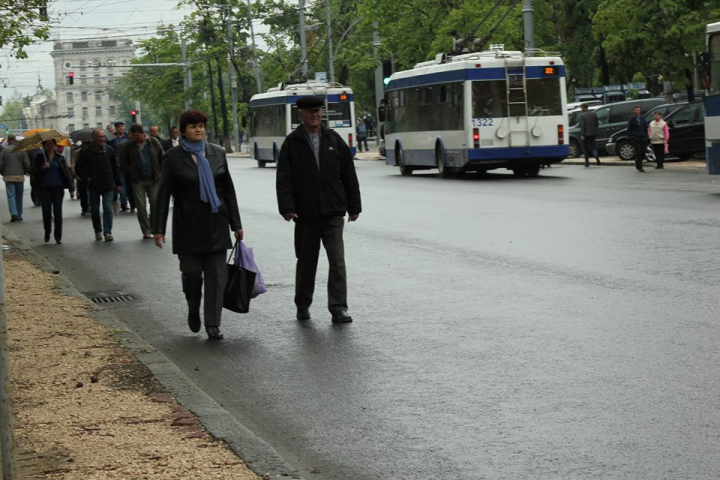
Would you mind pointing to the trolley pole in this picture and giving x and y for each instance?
(186, 71)
(258, 81)
(528, 27)
(330, 47)
(303, 47)
(233, 88)
(9, 465)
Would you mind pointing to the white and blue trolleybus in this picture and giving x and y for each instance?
(711, 83)
(273, 115)
(477, 112)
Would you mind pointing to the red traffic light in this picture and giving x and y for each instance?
(71, 78)
(71, 74)
(133, 112)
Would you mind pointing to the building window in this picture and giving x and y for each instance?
(84, 112)
(124, 62)
(99, 125)
(83, 80)
(97, 79)
(69, 97)
(86, 125)
(82, 65)
(71, 127)
(71, 112)
(112, 110)
(98, 111)
(110, 63)
(83, 95)
(98, 96)
(110, 78)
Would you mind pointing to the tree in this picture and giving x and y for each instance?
(22, 23)
(12, 115)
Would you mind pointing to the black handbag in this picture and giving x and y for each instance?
(239, 286)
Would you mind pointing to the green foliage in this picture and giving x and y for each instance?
(21, 25)
(12, 115)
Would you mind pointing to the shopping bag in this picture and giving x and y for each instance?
(239, 286)
(244, 257)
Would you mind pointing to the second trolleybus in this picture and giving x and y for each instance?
(273, 115)
(477, 112)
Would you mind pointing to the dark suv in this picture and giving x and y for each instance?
(686, 125)
(611, 118)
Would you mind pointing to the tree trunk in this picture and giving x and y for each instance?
(604, 68)
(212, 100)
(223, 107)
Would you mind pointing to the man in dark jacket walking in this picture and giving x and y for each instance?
(316, 185)
(589, 128)
(140, 160)
(638, 131)
(98, 167)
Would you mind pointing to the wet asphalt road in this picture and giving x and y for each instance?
(558, 327)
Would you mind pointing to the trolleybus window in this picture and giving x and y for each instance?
(489, 99)
(543, 97)
(268, 121)
(337, 114)
(714, 51)
(433, 108)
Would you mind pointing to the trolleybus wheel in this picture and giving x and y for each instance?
(262, 163)
(444, 171)
(405, 170)
(532, 171)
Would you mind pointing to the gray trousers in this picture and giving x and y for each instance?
(308, 235)
(210, 267)
(143, 192)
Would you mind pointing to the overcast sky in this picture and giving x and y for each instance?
(137, 19)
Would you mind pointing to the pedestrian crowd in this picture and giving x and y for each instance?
(642, 133)
(316, 187)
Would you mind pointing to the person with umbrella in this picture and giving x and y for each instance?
(53, 176)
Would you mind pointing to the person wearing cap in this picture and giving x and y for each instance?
(126, 195)
(316, 186)
(13, 168)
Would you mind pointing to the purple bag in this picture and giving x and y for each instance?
(244, 258)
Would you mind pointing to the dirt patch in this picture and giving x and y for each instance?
(84, 406)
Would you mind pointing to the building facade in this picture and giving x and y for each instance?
(96, 63)
(42, 111)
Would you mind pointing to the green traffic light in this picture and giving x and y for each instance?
(386, 80)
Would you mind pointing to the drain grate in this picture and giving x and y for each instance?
(109, 297)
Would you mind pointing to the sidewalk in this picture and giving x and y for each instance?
(84, 406)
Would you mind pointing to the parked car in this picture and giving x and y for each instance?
(612, 118)
(686, 125)
(574, 105)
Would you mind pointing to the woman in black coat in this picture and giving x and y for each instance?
(197, 176)
(52, 176)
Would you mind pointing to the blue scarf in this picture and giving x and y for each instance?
(207, 182)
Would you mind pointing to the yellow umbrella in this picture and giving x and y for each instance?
(36, 140)
(64, 142)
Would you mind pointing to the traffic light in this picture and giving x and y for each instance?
(0, 100)
(133, 116)
(387, 71)
(71, 78)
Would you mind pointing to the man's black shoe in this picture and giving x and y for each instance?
(194, 322)
(213, 333)
(341, 317)
(14, 218)
(303, 314)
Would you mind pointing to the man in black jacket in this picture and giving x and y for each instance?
(638, 131)
(316, 186)
(140, 161)
(98, 167)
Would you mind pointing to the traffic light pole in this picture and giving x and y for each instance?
(233, 90)
(379, 87)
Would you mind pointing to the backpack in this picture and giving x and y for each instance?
(361, 131)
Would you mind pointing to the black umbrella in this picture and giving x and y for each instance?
(85, 135)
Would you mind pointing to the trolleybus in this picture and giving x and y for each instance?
(711, 84)
(273, 115)
(478, 112)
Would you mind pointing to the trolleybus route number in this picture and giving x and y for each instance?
(482, 122)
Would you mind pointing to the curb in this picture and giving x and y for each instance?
(260, 457)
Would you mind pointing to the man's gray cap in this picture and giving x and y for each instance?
(310, 103)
